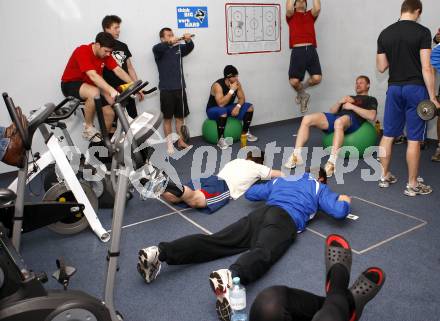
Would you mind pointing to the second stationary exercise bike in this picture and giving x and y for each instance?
(70, 189)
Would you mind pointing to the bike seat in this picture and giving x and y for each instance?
(6, 196)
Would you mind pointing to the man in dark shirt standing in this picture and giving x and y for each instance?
(168, 55)
(436, 156)
(405, 48)
(121, 54)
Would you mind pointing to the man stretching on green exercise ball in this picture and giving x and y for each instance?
(345, 116)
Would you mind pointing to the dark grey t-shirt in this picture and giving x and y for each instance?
(402, 42)
(362, 101)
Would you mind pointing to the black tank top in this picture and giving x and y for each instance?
(225, 88)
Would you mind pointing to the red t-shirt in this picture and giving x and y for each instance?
(83, 59)
(302, 28)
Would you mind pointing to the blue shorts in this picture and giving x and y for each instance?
(401, 109)
(331, 118)
(216, 112)
(216, 192)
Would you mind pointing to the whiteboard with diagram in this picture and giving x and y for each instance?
(252, 28)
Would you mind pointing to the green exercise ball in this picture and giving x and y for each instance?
(233, 129)
(361, 139)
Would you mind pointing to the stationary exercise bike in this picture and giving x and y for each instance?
(132, 164)
(104, 188)
(22, 296)
(70, 189)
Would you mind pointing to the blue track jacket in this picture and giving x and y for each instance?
(301, 197)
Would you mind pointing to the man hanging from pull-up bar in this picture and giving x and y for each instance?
(304, 56)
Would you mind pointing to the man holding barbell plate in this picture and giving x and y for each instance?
(405, 49)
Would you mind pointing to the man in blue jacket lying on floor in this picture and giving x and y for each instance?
(265, 234)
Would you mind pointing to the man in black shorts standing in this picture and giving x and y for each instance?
(168, 55)
(405, 49)
(121, 54)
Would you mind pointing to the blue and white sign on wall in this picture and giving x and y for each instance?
(192, 17)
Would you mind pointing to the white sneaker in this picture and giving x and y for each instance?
(420, 189)
(251, 138)
(222, 144)
(221, 282)
(385, 182)
(149, 264)
(91, 134)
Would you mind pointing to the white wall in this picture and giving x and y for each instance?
(38, 37)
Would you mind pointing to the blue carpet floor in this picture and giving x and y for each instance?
(395, 232)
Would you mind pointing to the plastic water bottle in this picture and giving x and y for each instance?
(237, 297)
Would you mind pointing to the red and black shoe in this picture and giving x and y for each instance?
(337, 251)
(365, 288)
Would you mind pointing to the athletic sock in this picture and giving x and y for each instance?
(332, 159)
(221, 123)
(247, 119)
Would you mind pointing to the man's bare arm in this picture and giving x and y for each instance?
(316, 9)
(382, 62)
(290, 9)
